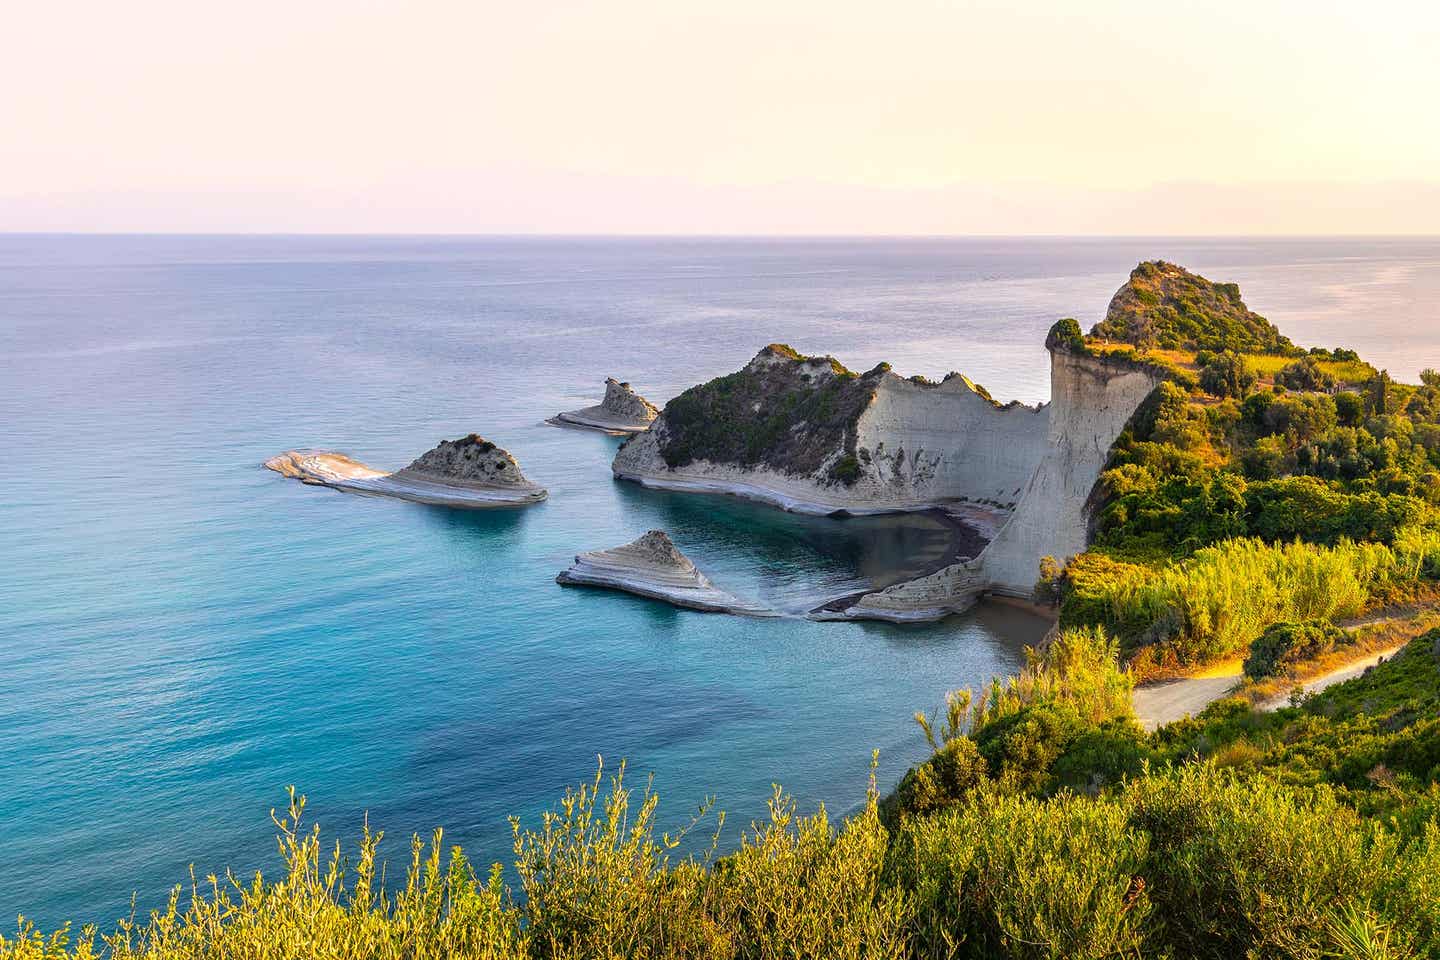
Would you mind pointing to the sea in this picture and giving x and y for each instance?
(184, 635)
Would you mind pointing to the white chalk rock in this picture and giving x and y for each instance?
(652, 567)
(621, 413)
(470, 473)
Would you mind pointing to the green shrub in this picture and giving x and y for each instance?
(1285, 644)
(1221, 599)
(1226, 375)
(1251, 868)
(1305, 374)
(1016, 877)
(846, 470)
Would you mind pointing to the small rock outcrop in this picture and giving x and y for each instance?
(621, 413)
(653, 567)
(470, 472)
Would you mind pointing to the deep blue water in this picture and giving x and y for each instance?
(183, 633)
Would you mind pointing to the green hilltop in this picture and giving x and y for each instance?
(1166, 306)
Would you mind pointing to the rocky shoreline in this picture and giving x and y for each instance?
(653, 567)
(791, 494)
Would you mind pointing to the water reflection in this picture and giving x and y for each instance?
(792, 561)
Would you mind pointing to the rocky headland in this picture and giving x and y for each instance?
(623, 412)
(470, 472)
(807, 434)
(653, 567)
(1165, 306)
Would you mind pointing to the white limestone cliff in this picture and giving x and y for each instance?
(1091, 401)
(915, 446)
(912, 445)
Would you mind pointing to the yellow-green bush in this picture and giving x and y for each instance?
(1220, 600)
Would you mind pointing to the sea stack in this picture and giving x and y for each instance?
(470, 473)
(621, 413)
(653, 567)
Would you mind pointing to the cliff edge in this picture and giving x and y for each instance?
(808, 435)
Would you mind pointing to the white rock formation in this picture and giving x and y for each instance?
(652, 567)
(470, 472)
(1091, 401)
(621, 413)
(916, 446)
(921, 445)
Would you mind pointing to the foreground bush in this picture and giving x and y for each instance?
(1195, 863)
(1321, 838)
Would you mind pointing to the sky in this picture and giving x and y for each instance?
(742, 116)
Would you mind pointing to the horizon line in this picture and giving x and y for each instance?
(600, 235)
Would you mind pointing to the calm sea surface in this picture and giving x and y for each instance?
(183, 634)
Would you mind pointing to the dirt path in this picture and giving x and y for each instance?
(1348, 672)
(1157, 704)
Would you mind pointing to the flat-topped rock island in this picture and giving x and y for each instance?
(469, 473)
(653, 567)
(623, 412)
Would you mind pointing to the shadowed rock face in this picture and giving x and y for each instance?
(622, 401)
(471, 459)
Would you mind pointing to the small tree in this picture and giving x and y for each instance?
(1305, 374)
(1226, 375)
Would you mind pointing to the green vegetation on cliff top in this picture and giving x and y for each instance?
(1168, 307)
(782, 410)
(1263, 489)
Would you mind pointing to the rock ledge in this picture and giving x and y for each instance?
(653, 567)
(621, 413)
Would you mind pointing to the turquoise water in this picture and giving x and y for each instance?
(183, 633)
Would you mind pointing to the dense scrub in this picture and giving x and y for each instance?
(1277, 485)
(783, 411)
(1303, 834)
(1217, 602)
(1166, 306)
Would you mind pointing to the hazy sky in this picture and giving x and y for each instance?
(763, 116)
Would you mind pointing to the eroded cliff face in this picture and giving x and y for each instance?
(1091, 401)
(806, 434)
(946, 442)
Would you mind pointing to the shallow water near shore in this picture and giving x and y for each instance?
(183, 633)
